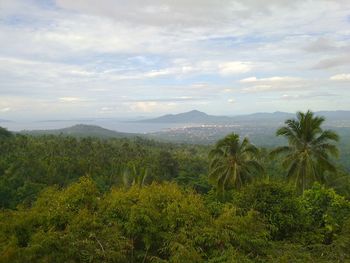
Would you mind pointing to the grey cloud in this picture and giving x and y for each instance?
(159, 52)
(273, 84)
(172, 99)
(307, 96)
(321, 45)
(332, 62)
(181, 12)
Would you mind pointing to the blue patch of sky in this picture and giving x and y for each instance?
(45, 4)
(223, 39)
(163, 81)
(344, 37)
(20, 21)
(253, 39)
(27, 20)
(186, 80)
(109, 61)
(232, 41)
(13, 20)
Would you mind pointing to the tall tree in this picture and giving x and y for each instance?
(133, 175)
(233, 163)
(309, 149)
(4, 133)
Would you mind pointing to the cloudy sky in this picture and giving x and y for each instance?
(124, 58)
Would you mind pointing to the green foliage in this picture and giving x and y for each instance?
(279, 205)
(327, 210)
(233, 163)
(65, 199)
(168, 166)
(340, 182)
(62, 226)
(193, 170)
(29, 164)
(156, 223)
(4, 133)
(134, 176)
(164, 223)
(308, 154)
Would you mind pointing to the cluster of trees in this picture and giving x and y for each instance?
(263, 222)
(129, 200)
(29, 164)
(307, 158)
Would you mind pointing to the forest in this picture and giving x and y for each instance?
(67, 199)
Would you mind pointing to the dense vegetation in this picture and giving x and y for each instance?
(65, 199)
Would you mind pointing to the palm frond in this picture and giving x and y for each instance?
(328, 148)
(325, 136)
(228, 159)
(255, 165)
(293, 169)
(280, 150)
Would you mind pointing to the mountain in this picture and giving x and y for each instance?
(193, 116)
(196, 116)
(333, 118)
(82, 130)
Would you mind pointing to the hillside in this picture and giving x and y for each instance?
(81, 130)
(193, 116)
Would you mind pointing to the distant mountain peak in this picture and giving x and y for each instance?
(193, 113)
(196, 111)
(82, 130)
(193, 116)
(281, 112)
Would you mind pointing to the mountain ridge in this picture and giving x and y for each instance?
(81, 130)
(195, 116)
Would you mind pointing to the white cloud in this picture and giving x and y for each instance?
(92, 53)
(235, 67)
(199, 85)
(341, 77)
(290, 97)
(181, 68)
(307, 96)
(231, 100)
(107, 110)
(260, 88)
(6, 109)
(227, 90)
(273, 84)
(157, 73)
(150, 106)
(24, 107)
(271, 79)
(249, 80)
(72, 99)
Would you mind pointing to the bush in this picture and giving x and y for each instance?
(327, 210)
(278, 204)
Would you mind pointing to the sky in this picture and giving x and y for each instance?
(113, 58)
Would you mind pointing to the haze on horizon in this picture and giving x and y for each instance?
(110, 58)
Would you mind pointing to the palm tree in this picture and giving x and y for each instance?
(307, 156)
(233, 163)
(133, 176)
